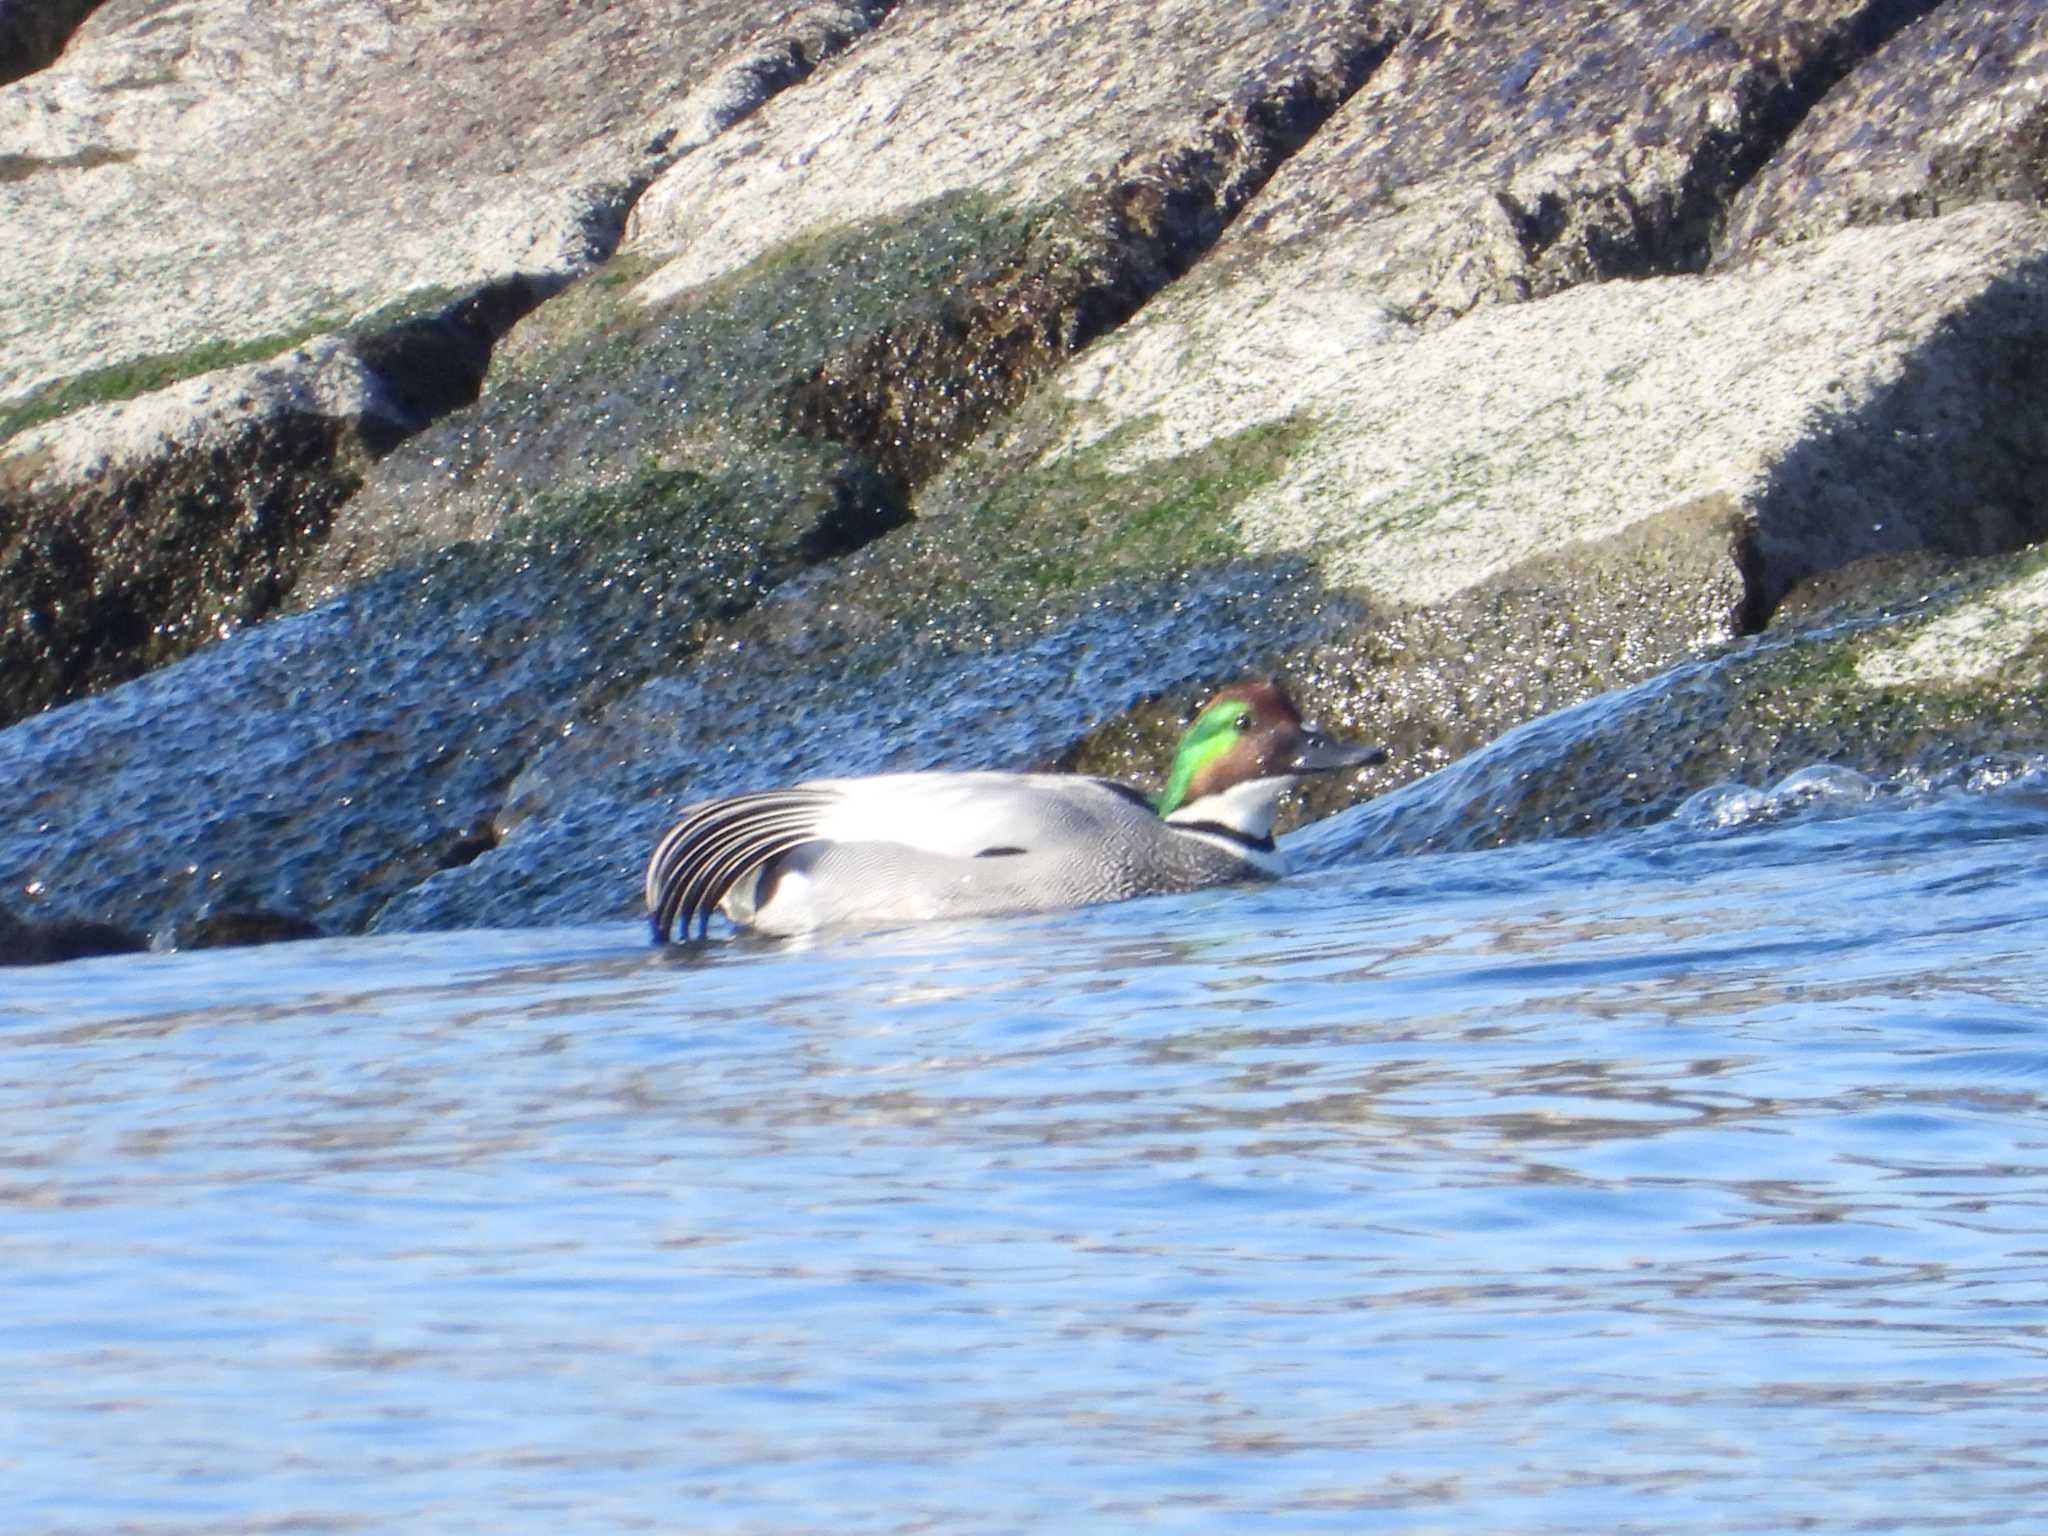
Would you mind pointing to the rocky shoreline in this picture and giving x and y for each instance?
(421, 472)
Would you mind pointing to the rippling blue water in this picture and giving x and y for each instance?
(1671, 1181)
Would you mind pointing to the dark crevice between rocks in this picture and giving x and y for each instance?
(1761, 588)
(1952, 457)
(779, 62)
(21, 167)
(432, 364)
(1772, 106)
(1610, 232)
(909, 396)
(856, 505)
(33, 33)
(469, 846)
(1540, 226)
(104, 582)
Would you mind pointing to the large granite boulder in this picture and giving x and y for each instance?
(215, 186)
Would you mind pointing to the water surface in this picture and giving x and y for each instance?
(1676, 1180)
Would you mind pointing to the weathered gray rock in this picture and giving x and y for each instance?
(426, 183)
(1506, 152)
(1865, 394)
(316, 766)
(256, 170)
(1952, 111)
(888, 257)
(1020, 105)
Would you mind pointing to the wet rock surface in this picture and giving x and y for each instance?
(24, 942)
(1823, 696)
(1590, 404)
(956, 689)
(319, 764)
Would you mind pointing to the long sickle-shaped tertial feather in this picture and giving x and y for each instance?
(718, 844)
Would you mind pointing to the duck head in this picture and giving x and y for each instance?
(1244, 750)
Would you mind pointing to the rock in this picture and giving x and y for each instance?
(1871, 690)
(1992, 636)
(233, 929)
(1433, 459)
(132, 532)
(1504, 153)
(337, 158)
(932, 259)
(324, 762)
(1952, 111)
(49, 943)
(949, 99)
(421, 188)
(1488, 471)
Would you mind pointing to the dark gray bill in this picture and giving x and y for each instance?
(1320, 754)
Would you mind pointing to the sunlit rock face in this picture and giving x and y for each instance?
(255, 189)
(219, 172)
(537, 418)
(1950, 111)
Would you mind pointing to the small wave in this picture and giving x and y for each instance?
(1985, 775)
(1823, 790)
(1817, 789)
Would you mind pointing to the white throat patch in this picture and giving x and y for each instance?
(1246, 808)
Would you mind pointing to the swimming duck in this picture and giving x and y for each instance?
(905, 847)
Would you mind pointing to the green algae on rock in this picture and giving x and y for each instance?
(596, 383)
(132, 377)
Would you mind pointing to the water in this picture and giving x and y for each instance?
(1682, 1179)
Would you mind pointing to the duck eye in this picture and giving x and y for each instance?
(1243, 722)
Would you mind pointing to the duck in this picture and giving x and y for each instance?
(896, 848)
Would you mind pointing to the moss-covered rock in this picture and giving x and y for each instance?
(596, 383)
